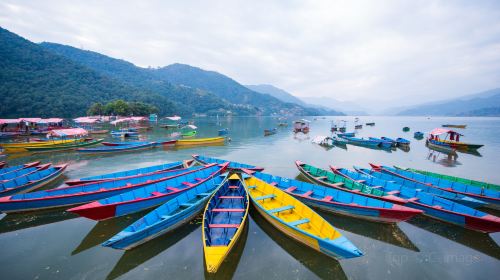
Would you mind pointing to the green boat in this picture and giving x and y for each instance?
(64, 147)
(330, 179)
(480, 184)
(189, 133)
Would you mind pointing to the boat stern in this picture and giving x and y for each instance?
(214, 256)
(339, 248)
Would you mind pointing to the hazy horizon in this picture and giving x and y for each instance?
(378, 54)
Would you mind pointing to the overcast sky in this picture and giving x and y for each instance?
(375, 52)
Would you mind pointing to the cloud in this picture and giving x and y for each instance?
(382, 53)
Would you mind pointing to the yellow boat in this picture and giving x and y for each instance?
(200, 141)
(26, 146)
(223, 221)
(298, 221)
(41, 143)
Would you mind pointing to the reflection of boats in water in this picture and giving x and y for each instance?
(141, 254)
(475, 240)
(103, 230)
(387, 233)
(13, 222)
(317, 263)
(230, 263)
(448, 160)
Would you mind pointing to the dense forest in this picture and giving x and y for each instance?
(122, 108)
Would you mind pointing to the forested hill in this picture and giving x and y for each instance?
(36, 82)
(202, 88)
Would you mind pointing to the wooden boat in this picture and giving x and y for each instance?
(370, 123)
(444, 193)
(434, 206)
(401, 142)
(282, 124)
(236, 166)
(392, 141)
(39, 143)
(301, 126)
(5, 177)
(441, 148)
(383, 143)
(223, 132)
(223, 220)
(117, 149)
(362, 142)
(452, 139)
(114, 144)
(455, 125)
(101, 131)
(341, 202)
(145, 171)
(32, 181)
(346, 134)
(80, 194)
(200, 141)
(189, 133)
(6, 170)
(418, 134)
(480, 184)
(147, 196)
(298, 221)
(63, 147)
(268, 132)
(358, 126)
(406, 129)
(487, 195)
(167, 217)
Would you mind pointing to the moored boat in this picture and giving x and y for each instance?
(32, 181)
(166, 217)
(38, 143)
(62, 197)
(147, 196)
(117, 149)
(271, 131)
(145, 171)
(6, 177)
(370, 123)
(418, 135)
(455, 125)
(341, 202)
(301, 126)
(383, 143)
(298, 221)
(471, 182)
(434, 206)
(487, 195)
(14, 168)
(223, 220)
(346, 134)
(232, 164)
(392, 141)
(452, 139)
(200, 141)
(402, 142)
(64, 147)
(362, 142)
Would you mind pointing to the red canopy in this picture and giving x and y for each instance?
(67, 132)
(439, 131)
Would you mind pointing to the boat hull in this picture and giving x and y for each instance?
(200, 141)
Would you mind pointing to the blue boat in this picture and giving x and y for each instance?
(462, 199)
(232, 164)
(166, 217)
(393, 142)
(346, 134)
(362, 142)
(131, 173)
(31, 181)
(117, 149)
(432, 205)
(4, 178)
(383, 143)
(487, 195)
(223, 132)
(341, 202)
(418, 135)
(146, 197)
(223, 221)
(6, 170)
(402, 142)
(127, 132)
(271, 131)
(79, 194)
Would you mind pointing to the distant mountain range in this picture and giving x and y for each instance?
(350, 108)
(50, 79)
(486, 103)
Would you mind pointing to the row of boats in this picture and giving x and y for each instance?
(223, 190)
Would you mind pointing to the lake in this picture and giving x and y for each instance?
(60, 245)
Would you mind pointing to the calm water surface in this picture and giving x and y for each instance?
(59, 245)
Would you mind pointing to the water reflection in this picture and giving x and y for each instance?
(387, 233)
(228, 267)
(475, 240)
(447, 160)
(103, 230)
(324, 267)
(139, 255)
(13, 222)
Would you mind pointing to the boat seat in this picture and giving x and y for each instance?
(327, 198)
(223, 225)
(355, 190)
(299, 222)
(265, 197)
(376, 187)
(172, 189)
(291, 189)
(393, 192)
(361, 181)
(437, 207)
(338, 184)
(156, 193)
(187, 184)
(414, 199)
(234, 187)
(204, 194)
(281, 209)
(273, 184)
(185, 205)
(321, 177)
(230, 197)
(164, 217)
(198, 179)
(308, 193)
(228, 210)
(252, 187)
